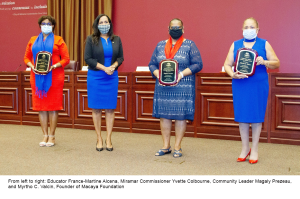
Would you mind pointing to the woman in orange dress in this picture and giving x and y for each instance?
(47, 90)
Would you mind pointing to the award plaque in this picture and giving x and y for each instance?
(42, 62)
(245, 62)
(168, 72)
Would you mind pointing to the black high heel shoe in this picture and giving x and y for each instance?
(109, 149)
(98, 149)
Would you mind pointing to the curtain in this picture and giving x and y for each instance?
(74, 20)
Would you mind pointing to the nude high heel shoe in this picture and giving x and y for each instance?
(50, 144)
(42, 144)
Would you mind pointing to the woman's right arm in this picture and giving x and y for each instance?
(153, 65)
(228, 64)
(88, 53)
(28, 55)
(92, 62)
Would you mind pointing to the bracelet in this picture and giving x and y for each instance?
(181, 74)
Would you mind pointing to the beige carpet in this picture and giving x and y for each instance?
(75, 154)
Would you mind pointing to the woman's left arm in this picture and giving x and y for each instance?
(272, 59)
(64, 54)
(120, 57)
(196, 64)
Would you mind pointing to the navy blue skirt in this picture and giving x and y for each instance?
(102, 89)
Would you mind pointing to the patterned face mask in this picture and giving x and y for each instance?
(104, 28)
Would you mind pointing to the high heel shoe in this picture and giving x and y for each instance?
(109, 149)
(253, 161)
(244, 159)
(50, 144)
(42, 144)
(98, 149)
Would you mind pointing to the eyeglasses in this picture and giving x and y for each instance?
(46, 24)
(175, 27)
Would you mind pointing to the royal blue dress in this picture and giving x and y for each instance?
(250, 95)
(176, 102)
(103, 88)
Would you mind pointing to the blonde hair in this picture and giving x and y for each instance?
(253, 20)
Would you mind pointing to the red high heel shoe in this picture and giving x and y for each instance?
(253, 161)
(244, 159)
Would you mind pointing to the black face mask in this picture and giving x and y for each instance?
(175, 34)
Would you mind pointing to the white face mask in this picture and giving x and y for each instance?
(249, 34)
(46, 29)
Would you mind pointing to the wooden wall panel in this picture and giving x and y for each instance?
(9, 100)
(30, 117)
(83, 114)
(143, 106)
(214, 116)
(285, 112)
(10, 97)
(65, 118)
(9, 78)
(217, 109)
(27, 93)
(142, 97)
(143, 86)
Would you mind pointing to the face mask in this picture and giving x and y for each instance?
(249, 34)
(175, 34)
(46, 29)
(104, 28)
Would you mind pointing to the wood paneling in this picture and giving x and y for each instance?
(214, 110)
(83, 114)
(285, 111)
(9, 100)
(9, 78)
(214, 117)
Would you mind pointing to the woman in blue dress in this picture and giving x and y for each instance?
(103, 54)
(175, 102)
(250, 93)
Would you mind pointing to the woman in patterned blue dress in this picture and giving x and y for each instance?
(103, 54)
(175, 102)
(250, 93)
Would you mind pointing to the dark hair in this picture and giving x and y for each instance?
(177, 20)
(96, 32)
(50, 18)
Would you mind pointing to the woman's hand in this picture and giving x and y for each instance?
(178, 79)
(260, 60)
(156, 74)
(236, 75)
(110, 70)
(34, 71)
(52, 67)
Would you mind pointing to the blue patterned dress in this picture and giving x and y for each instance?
(250, 95)
(176, 102)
